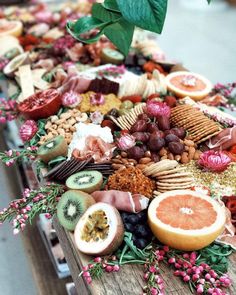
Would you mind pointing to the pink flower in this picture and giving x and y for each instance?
(96, 117)
(156, 109)
(9, 153)
(97, 259)
(3, 120)
(97, 99)
(214, 161)
(10, 163)
(126, 142)
(152, 269)
(16, 231)
(28, 130)
(116, 267)
(71, 99)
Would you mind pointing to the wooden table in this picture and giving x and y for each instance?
(128, 281)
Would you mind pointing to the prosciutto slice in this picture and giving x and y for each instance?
(76, 83)
(224, 140)
(95, 148)
(123, 201)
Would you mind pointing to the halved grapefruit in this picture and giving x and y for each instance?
(186, 220)
(185, 83)
(13, 28)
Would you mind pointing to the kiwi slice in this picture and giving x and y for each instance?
(53, 148)
(109, 55)
(71, 206)
(86, 181)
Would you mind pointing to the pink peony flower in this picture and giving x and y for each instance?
(71, 99)
(28, 130)
(97, 99)
(156, 108)
(214, 161)
(126, 142)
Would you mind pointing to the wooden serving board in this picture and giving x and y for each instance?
(128, 281)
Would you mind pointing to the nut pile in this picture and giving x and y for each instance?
(199, 126)
(190, 152)
(131, 180)
(169, 176)
(120, 162)
(63, 125)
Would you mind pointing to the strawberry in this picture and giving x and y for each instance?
(133, 98)
(170, 101)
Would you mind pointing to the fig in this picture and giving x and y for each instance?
(166, 132)
(163, 123)
(155, 143)
(158, 133)
(139, 126)
(151, 127)
(141, 136)
(180, 132)
(171, 137)
(155, 157)
(176, 148)
(135, 152)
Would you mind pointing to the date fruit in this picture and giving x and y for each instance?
(139, 126)
(135, 152)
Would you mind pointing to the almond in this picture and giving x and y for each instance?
(144, 160)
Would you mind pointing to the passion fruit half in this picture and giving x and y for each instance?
(100, 231)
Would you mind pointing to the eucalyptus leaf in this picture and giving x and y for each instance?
(120, 34)
(146, 14)
(111, 5)
(104, 15)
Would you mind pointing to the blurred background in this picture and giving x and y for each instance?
(199, 35)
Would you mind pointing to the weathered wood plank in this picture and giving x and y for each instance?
(126, 282)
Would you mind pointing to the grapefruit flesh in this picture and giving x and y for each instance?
(185, 83)
(186, 220)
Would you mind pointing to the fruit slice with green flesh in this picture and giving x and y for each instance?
(53, 148)
(86, 181)
(109, 55)
(71, 206)
(100, 231)
(186, 220)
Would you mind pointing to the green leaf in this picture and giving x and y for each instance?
(146, 14)
(111, 5)
(120, 34)
(104, 15)
(85, 24)
(209, 1)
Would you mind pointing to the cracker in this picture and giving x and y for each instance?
(163, 165)
(169, 172)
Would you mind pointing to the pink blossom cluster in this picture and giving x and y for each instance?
(90, 271)
(225, 90)
(203, 277)
(8, 110)
(11, 156)
(114, 71)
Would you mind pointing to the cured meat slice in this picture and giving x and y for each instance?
(124, 201)
(224, 140)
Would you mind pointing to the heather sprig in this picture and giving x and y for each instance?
(33, 202)
(11, 156)
(8, 110)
